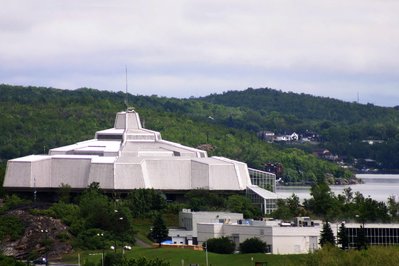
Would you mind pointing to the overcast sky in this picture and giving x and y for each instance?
(341, 49)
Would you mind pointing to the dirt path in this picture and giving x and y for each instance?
(141, 243)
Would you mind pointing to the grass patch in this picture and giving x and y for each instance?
(175, 257)
(143, 225)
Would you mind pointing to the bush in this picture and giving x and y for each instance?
(221, 245)
(11, 227)
(7, 261)
(253, 245)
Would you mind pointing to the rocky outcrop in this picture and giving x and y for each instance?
(42, 235)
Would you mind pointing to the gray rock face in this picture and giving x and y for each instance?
(41, 234)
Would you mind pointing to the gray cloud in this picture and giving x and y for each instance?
(183, 48)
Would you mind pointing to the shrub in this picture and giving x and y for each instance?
(11, 227)
(7, 261)
(221, 245)
(253, 245)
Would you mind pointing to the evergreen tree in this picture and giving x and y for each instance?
(361, 239)
(342, 237)
(327, 235)
(159, 231)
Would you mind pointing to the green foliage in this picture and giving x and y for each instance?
(2, 174)
(8, 261)
(12, 201)
(346, 206)
(159, 232)
(143, 202)
(221, 245)
(323, 201)
(116, 259)
(393, 208)
(361, 239)
(67, 212)
(113, 259)
(89, 239)
(370, 210)
(342, 237)
(241, 204)
(253, 245)
(96, 209)
(326, 235)
(204, 200)
(289, 208)
(11, 227)
(37, 119)
(64, 193)
(336, 257)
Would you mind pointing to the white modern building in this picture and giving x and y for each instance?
(281, 238)
(129, 156)
(188, 220)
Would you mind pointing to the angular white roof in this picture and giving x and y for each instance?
(125, 157)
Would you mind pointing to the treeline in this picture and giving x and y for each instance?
(343, 126)
(34, 120)
(347, 206)
(95, 220)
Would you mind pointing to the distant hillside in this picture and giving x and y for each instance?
(34, 120)
(304, 106)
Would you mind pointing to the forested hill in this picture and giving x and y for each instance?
(34, 120)
(304, 106)
(346, 129)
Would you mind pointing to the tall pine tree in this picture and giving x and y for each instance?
(361, 239)
(159, 231)
(342, 237)
(327, 235)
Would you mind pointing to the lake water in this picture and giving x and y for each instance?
(378, 187)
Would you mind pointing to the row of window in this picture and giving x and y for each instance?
(375, 236)
(263, 179)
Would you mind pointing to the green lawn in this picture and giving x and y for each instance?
(177, 256)
(143, 225)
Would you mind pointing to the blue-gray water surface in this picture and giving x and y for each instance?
(378, 187)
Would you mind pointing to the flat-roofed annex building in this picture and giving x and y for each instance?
(127, 157)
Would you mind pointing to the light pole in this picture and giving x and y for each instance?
(102, 254)
(45, 231)
(206, 253)
(102, 257)
(123, 248)
(116, 232)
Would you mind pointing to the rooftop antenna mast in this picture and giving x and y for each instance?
(126, 95)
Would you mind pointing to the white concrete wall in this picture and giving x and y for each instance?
(295, 240)
(244, 174)
(18, 174)
(133, 120)
(169, 173)
(244, 232)
(206, 231)
(130, 176)
(195, 218)
(284, 240)
(120, 121)
(41, 173)
(74, 172)
(199, 175)
(223, 177)
(102, 173)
